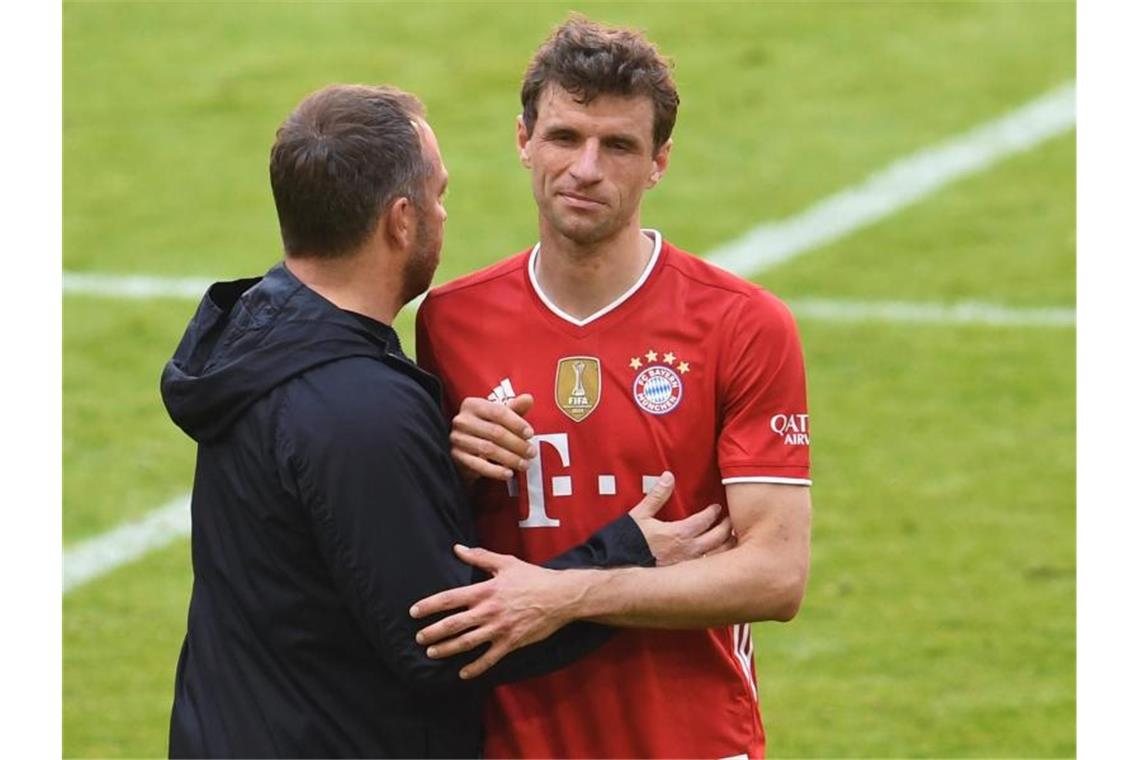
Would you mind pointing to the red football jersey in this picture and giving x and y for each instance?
(693, 370)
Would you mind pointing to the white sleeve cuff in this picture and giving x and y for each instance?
(768, 479)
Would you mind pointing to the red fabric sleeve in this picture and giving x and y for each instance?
(764, 416)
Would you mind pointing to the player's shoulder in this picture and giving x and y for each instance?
(734, 292)
(486, 280)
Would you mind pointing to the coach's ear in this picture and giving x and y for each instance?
(660, 163)
(523, 141)
(400, 223)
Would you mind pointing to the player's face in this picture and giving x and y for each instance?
(430, 216)
(590, 164)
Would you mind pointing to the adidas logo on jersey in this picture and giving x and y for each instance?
(503, 392)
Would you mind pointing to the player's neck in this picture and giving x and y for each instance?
(582, 280)
(357, 283)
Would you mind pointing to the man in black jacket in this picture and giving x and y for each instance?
(325, 499)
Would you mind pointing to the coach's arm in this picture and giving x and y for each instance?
(492, 440)
(372, 468)
(762, 577)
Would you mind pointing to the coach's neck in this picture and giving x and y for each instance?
(368, 281)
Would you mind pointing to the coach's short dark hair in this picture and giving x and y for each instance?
(588, 59)
(339, 160)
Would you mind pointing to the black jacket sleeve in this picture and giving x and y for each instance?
(367, 450)
(619, 544)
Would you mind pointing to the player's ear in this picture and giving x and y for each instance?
(660, 163)
(400, 223)
(522, 139)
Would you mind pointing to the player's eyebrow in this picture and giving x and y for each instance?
(552, 130)
(627, 139)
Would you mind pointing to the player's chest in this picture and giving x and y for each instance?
(611, 412)
(655, 386)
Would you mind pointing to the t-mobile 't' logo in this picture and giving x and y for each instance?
(560, 485)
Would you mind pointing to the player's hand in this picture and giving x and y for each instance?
(491, 439)
(519, 605)
(672, 542)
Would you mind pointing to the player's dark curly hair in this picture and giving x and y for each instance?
(588, 59)
(339, 160)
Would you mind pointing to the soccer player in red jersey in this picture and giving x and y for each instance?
(639, 357)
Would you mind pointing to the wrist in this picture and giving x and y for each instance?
(576, 593)
(594, 597)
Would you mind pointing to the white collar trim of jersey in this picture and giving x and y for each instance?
(532, 270)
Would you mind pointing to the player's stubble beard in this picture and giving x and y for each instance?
(580, 230)
(424, 258)
(584, 233)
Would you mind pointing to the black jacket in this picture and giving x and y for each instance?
(325, 502)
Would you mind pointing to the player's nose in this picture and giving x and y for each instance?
(586, 167)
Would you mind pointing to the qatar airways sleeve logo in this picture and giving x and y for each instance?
(793, 428)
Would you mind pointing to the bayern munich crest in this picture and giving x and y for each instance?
(658, 387)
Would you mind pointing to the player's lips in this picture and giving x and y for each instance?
(580, 201)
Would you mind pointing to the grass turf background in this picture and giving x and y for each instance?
(940, 616)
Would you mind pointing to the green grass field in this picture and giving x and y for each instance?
(940, 619)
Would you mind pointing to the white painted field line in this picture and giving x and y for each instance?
(903, 183)
(135, 286)
(900, 184)
(119, 546)
(962, 313)
(820, 309)
(99, 555)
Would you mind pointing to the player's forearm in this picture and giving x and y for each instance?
(739, 585)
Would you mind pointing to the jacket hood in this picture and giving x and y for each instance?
(249, 336)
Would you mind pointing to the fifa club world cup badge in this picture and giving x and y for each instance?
(658, 386)
(578, 386)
